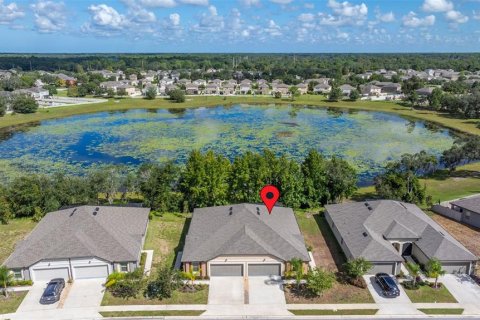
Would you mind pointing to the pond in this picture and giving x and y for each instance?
(78, 143)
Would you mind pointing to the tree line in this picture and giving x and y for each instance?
(207, 179)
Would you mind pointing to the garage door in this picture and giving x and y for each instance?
(263, 270)
(383, 267)
(91, 272)
(226, 270)
(455, 267)
(49, 274)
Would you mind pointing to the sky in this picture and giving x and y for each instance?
(128, 26)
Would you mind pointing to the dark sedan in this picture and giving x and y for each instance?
(53, 291)
(387, 284)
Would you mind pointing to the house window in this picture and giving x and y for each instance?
(123, 267)
(467, 215)
(17, 274)
(195, 267)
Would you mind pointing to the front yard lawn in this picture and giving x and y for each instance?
(442, 311)
(178, 297)
(167, 313)
(11, 304)
(427, 294)
(340, 312)
(340, 293)
(11, 233)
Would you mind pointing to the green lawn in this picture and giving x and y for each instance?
(169, 313)
(165, 236)
(10, 304)
(462, 125)
(442, 311)
(178, 297)
(340, 312)
(11, 233)
(426, 294)
(443, 185)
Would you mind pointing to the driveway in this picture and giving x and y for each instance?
(400, 305)
(226, 290)
(32, 299)
(465, 290)
(263, 291)
(85, 294)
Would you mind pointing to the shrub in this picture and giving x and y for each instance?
(24, 104)
(177, 95)
(18, 283)
(319, 280)
(126, 288)
(167, 281)
(356, 268)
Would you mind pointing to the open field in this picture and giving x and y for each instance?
(11, 304)
(446, 120)
(11, 233)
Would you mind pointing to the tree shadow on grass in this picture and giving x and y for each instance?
(181, 242)
(441, 175)
(330, 240)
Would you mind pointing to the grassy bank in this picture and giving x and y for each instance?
(11, 234)
(462, 125)
(11, 304)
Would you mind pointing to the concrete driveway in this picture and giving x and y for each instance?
(32, 299)
(263, 291)
(85, 294)
(226, 291)
(465, 290)
(400, 305)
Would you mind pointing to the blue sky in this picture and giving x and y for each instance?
(240, 26)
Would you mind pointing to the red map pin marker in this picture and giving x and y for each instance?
(269, 195)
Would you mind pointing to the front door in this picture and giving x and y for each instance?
(407, 249)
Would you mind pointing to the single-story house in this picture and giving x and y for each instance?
(424, 92)
(322, 88)
(82, 242)
(243, 240)
(346, 89)
(302, 88)
(470, 209)
(191, 88)
(386, 231)
(66, 80)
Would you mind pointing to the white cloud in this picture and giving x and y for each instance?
(306, 17)
(411, 20)
(455, 17)
(347, 9)
(209, 23)
(386, 17)
(141, 15)
(437, 5)
(309, 5)
(157, 3)
(273, 29)
(343, 36)
(105, 21)
(476, 15)
(195, 2)
(10, 12)
(174, 19)
(250, 3)
(281, 1)
(49, 16)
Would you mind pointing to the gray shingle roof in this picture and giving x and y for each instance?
(365, 228)
(246, 231)
(471, 203)
(113, 234)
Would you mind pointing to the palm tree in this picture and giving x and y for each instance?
(435, 269)
(414, 270)
(5, 277)
(358, 267)
(191, 275)
(297, 267)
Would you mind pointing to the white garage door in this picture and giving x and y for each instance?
(382, 268)
(226, 270)
(49, 274)
(264, 269)
(91, 272)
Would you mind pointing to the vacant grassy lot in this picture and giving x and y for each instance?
(327, 254)
(427, 294)
(178, 297)
(443, 185)
(11, 233)
(442, 311)
(341, 312)
(462, 125)
(10, 304)
(169, 313)
(165, 236)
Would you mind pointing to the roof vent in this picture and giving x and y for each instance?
(230, 211)
(369, 208)
(97, 208)
(366, 204)
(365, 234)
(258, 211)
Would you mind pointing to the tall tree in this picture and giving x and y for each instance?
(24, 104)
(341, 179)
(314, 169)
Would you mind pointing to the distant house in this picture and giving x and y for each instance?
(387, 232)
(302, 88)
(85, 242)
(66, 80)
(470, 209)
(371, 90)
(264, 89)
(183, 81)
(35, 92)
(191, 89)
(243, 240)
(322, 88)
(212, 88)
(424, 92)
(346, 89)
(227, 89)
(199, 82)
(281, 88)
(245, 87)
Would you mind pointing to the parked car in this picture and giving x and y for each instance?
(53, 291)
(387, 284)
